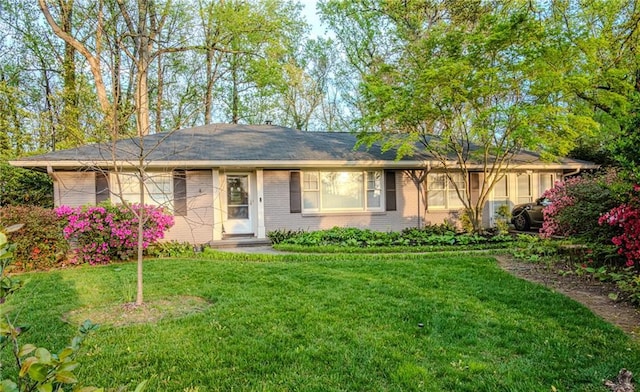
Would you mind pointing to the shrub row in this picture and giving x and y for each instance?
(443, 234)
(97, 234)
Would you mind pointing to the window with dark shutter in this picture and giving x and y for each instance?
(295, 199)
(180, 193)
(102, 187)
(390, 189)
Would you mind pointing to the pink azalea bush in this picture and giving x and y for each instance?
(106, 232)
(577, 204)
(626, 217)
(560, 198)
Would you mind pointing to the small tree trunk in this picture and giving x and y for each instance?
(235, 94)
(141, 217)
(477, 220)
(139, 291)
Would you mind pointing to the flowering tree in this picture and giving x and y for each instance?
(105, 233)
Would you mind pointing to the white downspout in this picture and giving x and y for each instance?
(573, 173)
(56, 186)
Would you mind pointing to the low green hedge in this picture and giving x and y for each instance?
(425, 239)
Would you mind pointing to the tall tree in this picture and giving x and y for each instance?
(134, 40)
(306, 82)
(466, 82)
(601, 40)
(261, 33)
(70, 118)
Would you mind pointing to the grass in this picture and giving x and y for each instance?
(388, 249)
(332, 323)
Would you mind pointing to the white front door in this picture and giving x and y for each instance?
(239, 211)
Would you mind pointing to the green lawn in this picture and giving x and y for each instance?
(333, 323)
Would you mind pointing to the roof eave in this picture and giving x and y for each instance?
(282, 164)
(267, 164)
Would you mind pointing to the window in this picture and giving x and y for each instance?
(546, 182)
(374, 189)
(327, 191)
(158, 188)
(441, 192)
(501, 198)
(501, 188)
(524, 188)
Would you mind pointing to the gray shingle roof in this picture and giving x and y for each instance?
(229, 142)
(220, 143)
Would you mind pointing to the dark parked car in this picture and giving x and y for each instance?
(528, 215)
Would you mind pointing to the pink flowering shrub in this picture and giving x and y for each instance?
(105, 232)
(577, 204)
(626, 217)
(560, 198)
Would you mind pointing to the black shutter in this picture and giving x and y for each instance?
(179, 193)
(102, 187)
(295, 199)
(390, 190)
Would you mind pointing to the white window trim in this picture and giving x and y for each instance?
(124, 176)
(541, 190)
(324, 210)
(531, 196)
(447, 190)
(506, 177)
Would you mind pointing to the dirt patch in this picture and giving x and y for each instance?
(122, 314)
(591, 293)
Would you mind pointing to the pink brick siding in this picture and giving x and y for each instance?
(197, 226)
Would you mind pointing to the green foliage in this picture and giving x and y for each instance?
(466, 220)
(504, 217)
(280, 235)
(40, 243)
(346, 237)
(470, 85)
(24, 187)
(625, 279)
(170, 249)
(42, 370)
(604, 75)
(8, 283)
(36, 367)
(532, 248)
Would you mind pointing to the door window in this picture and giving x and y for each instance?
(238, 197)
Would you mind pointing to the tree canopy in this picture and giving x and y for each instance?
(471, 83)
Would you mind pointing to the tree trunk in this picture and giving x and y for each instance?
(92, 59)
(235, 94)
(70, 119)
(142, 68)
(141, 218)
(208, 96)
(159, 96)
